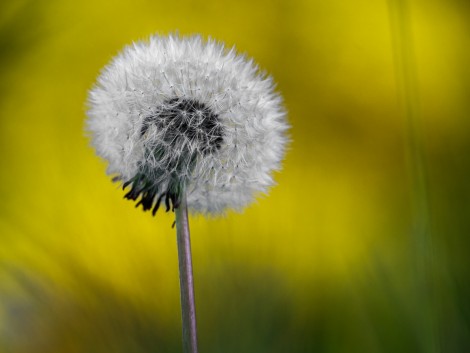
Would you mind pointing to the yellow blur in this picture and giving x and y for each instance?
(82, 270)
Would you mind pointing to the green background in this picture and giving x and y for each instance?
(363, 246)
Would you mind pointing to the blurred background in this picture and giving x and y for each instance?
(363, 246)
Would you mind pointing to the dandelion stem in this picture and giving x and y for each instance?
(188, 308)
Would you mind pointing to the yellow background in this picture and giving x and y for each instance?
(363, 246)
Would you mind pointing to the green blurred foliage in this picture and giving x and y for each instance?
(328, 262)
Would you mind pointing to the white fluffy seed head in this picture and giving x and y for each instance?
(180, 112)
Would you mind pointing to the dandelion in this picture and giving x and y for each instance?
(180, 113)
(186, 123)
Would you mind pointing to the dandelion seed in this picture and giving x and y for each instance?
(171, 113)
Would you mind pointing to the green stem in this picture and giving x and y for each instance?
(188, 308)
(424, 276)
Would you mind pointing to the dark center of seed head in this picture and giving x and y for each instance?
(180, 122)
(187, 118)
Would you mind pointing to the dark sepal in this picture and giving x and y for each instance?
(148, 192)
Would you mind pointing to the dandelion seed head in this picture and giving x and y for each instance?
(181, 112)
